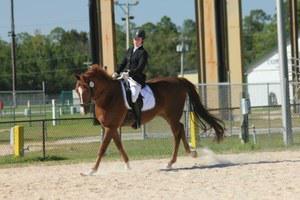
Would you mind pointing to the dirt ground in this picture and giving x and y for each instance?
(268, 175)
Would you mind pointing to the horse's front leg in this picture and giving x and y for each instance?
(118, 142)
(101, 152)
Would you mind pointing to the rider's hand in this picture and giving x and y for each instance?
(125, 75)
(115, 75)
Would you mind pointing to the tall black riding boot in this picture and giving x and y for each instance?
(137, 106)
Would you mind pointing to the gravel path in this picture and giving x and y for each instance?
(268, 175)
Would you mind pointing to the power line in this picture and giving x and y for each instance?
(50, 23)
(126, 9)
(23, 28)
(47, 71)
(32, 60)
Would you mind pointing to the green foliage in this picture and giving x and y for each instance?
(55, 57)
(189, 31)
(52, 58)
(161, 46)
(5, 65)
(259, 35)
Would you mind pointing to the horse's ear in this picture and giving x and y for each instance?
(85, 79)
(77, 76)
(105, 68)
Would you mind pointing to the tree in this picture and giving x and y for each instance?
(55, 57)
(52, 58)
(163, 60)
(189, 32)
(5, 66)
(259, 35)
(121, 42)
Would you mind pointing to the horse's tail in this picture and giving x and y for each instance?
(202, 113)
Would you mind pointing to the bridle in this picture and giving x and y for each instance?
(91, 87)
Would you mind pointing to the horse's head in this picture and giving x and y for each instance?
(88, 84)
(84, 91)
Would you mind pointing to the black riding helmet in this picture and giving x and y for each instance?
(140, 34)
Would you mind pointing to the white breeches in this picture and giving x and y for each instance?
(135, 88)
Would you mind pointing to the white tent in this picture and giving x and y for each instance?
(264, 79)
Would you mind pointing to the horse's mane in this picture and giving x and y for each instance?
(97, 72)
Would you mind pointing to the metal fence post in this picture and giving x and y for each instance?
(245, 110)
(29, 111)
(53, 112)
(254, 134)
(269, 109)
(44, 99)
(44, 140)
(144, 134)
(230, 117)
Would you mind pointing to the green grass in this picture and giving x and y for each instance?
(37, 112)
(233, 144)
(146, 149)
(72, 128)
(136, 149)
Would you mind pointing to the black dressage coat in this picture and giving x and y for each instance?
(135, 62)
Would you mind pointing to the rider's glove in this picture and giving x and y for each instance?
(115, 75)
(125, 75)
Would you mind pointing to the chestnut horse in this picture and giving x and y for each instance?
(110, 110)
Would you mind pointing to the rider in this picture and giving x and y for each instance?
(134, 63)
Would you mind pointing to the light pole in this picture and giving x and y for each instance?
(125, 7)
(284, 78)
(182, 48)
(13, 54)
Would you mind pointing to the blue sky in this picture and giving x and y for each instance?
(44, 15)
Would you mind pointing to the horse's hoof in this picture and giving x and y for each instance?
(169, 166)
(92, 172)
(194, 154)
(127, 166)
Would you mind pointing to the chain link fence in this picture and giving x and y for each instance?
(265, 117)
(79, 138)
(29, 104)
(69, 136)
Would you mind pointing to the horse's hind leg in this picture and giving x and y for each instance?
(186, 145)
(178, 133)
(184, 141)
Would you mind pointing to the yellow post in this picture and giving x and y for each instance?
(19, 141)
(193, 130)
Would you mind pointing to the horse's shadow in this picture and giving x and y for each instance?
(228, 164)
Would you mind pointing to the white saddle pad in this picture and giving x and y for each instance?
(148, 98)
